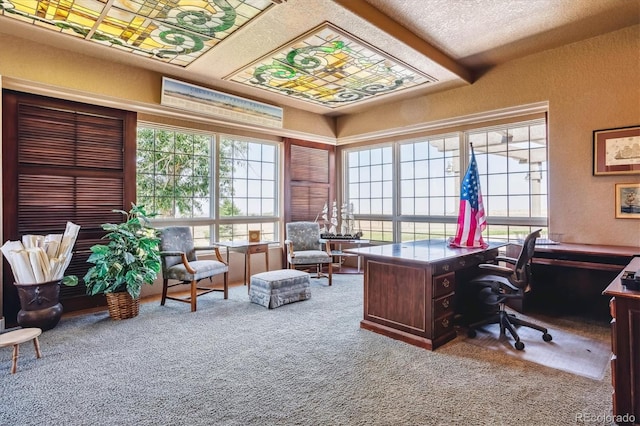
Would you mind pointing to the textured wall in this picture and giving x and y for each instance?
(589, 85)
(74, 72)
(594, 84)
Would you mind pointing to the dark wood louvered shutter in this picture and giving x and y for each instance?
(309, 179)
(64, 161)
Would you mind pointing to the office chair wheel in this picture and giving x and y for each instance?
(471, 333)
(519, 345)
(546, 337)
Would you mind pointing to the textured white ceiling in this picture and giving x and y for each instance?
(451, 40)
(482, 33)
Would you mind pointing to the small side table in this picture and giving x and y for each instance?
(14, 338)
(248, 248)
(331, 244)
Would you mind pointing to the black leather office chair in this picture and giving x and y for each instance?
(501, 283)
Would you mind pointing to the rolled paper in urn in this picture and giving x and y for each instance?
(38, 258)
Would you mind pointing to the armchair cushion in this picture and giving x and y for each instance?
(203, 268)
(307, 257)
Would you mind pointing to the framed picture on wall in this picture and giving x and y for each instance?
(616, 151)
(628, 200)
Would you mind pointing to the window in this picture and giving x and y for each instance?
(429, 176)
(174, 173)
(248, 188)
(220, 185)
(413, 231)
(247, 178)
(375, 230)
(429, 173)
(512, 163)
(370, 189)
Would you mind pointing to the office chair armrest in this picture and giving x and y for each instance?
(511, 287)
(506, 259)
(183, 255)
(500, 270)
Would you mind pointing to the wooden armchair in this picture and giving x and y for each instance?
(179, 262)
(303, 247)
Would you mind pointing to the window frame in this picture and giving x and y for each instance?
(371, 217)
(498, 227)
(269, 225)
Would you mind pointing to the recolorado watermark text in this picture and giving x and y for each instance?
(604, 418)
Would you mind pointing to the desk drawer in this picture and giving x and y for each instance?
(442, 325)
(444, 284)
(453, 265)
(445, 267)
(463, 262)
(443, 306)
(262, 248)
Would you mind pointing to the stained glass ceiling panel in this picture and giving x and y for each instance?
(172, 31)
(331, 68)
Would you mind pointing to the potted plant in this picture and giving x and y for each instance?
(130, 259)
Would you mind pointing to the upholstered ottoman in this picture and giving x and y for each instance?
(276, 288)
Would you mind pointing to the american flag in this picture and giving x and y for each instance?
(471, 219)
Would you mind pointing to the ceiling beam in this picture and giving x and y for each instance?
(387, 24)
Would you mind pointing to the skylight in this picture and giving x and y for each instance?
(331, 68)
(176, 31)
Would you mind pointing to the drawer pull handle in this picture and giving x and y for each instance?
(445, 303)
(445, 323)
(445, 283)
(445, 267)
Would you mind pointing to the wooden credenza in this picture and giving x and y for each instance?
(625, 345)
(569, 278)
(410, 288)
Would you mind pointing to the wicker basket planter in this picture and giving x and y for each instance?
(130, 259)
(122, 306)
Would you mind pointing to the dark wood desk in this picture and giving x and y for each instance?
(625, 345)
(409, 288)
(570, 278)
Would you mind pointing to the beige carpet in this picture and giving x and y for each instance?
(235, 363)
(581, 355)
